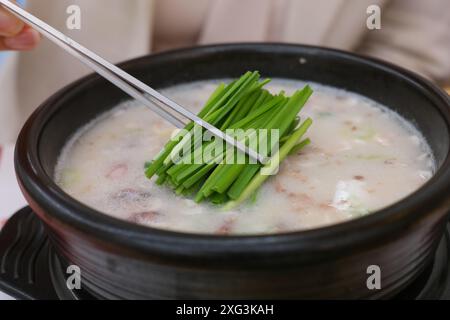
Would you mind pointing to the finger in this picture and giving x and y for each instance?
(2, 45)
(9, 24)
(27, 39)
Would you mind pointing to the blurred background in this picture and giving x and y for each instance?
(412, 33)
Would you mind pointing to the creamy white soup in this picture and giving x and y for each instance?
(362, 157)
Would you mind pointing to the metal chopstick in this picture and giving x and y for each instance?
(129, 84)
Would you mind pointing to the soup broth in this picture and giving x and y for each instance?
(362, 157)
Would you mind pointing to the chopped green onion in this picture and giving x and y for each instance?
(242, 104)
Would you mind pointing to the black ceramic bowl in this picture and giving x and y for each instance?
(122, 260)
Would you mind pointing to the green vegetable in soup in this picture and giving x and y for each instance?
(242, 104)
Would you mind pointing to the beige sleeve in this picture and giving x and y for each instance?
(414, 34)
(9, 114)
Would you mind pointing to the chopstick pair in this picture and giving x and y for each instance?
(161, 105)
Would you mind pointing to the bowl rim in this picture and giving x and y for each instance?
(43, 193)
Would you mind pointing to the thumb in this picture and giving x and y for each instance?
(9, 24)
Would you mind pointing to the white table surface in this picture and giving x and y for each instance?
(11, 198)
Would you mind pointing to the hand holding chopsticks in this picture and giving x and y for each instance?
(163, 106)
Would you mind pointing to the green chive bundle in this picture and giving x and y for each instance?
(242, 104)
